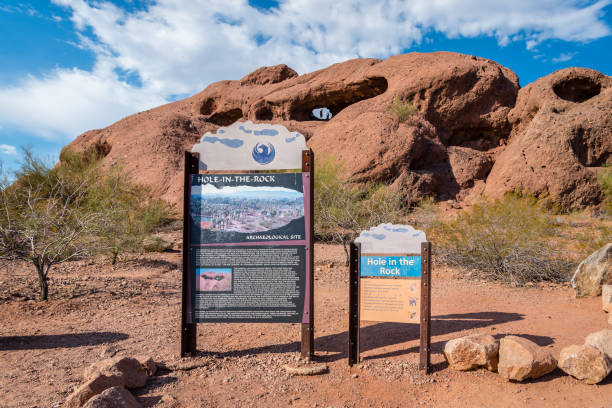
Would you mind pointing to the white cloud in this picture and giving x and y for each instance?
(8, 149)
(564, 57)
(180, 46)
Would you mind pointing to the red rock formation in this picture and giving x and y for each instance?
(465, 115)
(562, 134)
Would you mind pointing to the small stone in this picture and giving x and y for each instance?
(306, 369)
(115, 397)
(128, 368)
(610, 319)
(585, 363)
(469, 352)
(355, 376)
(601, 340)
(91, 388)
(520, 359)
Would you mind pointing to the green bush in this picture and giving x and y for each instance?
(52, 214)
(343, 209)
(507, 240)
(401, 109)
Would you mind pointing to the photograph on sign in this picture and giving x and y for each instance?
(247, 207)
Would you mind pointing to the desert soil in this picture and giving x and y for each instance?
(97, 310)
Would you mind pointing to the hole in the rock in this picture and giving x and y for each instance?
(577, 89)
(478, 139)
(321, 114)
(264, 114)
(225, 118)
(208, 106)
(337, 99)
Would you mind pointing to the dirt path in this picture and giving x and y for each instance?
(133, 308)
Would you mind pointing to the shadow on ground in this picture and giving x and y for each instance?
(381, 335)
(69, 340)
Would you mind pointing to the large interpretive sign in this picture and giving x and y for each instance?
(248, 230)
(390, 282)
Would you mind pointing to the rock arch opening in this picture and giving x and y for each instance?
(577, 89)
(225, 118)
(338, 98)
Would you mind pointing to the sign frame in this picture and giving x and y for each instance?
(188, 344)
(354, 306)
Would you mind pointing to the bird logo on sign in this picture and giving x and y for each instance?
(263, 153)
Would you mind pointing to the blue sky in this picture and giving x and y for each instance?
(73, 65)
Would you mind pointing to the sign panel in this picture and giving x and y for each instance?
(248, 246)
(390, 280)
(247, 233)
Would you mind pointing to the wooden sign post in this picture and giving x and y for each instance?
(390, 281)
(248, 231)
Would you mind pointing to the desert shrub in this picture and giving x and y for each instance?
(343, 209)
(592, 238)
(401, 109)
(52, 214)
(605, 179)
(505, 240)
(45, 218)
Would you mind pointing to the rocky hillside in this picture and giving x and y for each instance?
(474, 130)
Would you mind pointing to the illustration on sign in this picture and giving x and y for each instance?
(251, 146)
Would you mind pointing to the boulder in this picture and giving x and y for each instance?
(585, 363)
(601, 340)
(520, 359)
(593, 272)
(469, 352)
(606, 298)
(94, 386)
(560, 137)
(128, 368)
(116, 397)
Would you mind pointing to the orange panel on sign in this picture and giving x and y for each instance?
(390, 300)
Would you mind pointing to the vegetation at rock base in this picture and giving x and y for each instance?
(401, 109)
(53, 214)
(508, 240)
(343, 209)
(605, 179)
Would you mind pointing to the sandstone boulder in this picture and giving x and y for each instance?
(585, 363)
(520, 359)
(560, 137)
(469, 352)
(128, 368)
(606, 298)
(116, 397)
(94, 386)
(593, 272)
(601, 340)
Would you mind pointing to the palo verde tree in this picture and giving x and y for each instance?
(344, 209)
(44, 218)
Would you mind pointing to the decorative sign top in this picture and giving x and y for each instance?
(251, 146)
(391, 239)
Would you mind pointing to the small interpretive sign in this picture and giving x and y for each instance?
(390, 282)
